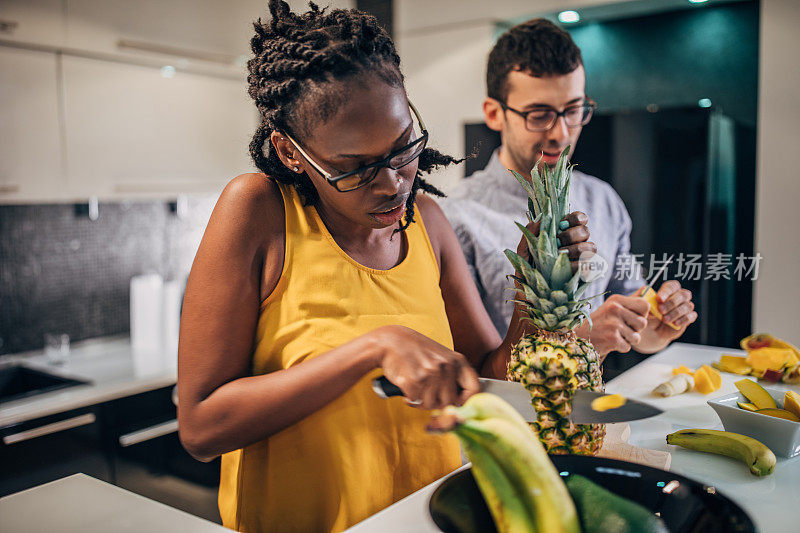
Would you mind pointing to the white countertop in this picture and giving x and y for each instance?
(773, 502)
(82, 504)
(107, 363)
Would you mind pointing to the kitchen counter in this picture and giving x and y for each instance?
(773, 502)
(107, 363)
(83, 504)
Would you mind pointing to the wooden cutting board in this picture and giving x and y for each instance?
(615, 446)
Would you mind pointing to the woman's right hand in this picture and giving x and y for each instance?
(430, 375)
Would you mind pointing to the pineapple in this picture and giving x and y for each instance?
(552, 362)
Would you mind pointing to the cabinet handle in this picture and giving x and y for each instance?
(8, 26)
(9, 189)
(47, 429)
(153, 432)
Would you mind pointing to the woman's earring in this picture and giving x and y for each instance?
(296, 168)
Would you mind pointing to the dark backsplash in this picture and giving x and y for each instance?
(63, 273)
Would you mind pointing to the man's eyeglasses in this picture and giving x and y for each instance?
(543, 119)
(350, 181)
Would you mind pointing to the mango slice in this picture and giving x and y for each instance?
(762, 359)
(756, 394)
(747, 406)
(733, 364)
(609, 401)
(779, 413)
(716, 379)
(650, 296)
(703, 381)
(682, 370)
(765, 340)
(791, 402)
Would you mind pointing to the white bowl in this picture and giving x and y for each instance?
(779, 435)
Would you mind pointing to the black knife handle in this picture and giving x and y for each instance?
(385, 388)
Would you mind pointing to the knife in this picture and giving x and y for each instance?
(520, 399)
(649, 286)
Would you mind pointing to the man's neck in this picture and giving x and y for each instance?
(508, 161)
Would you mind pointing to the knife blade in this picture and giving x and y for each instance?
(520, 399)
(649, 286)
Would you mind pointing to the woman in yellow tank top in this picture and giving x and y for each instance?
(321, 273)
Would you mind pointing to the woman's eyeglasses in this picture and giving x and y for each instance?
(543, 119)
(350, 181)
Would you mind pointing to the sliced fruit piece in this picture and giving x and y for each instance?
(702, 381)
(716, 379)
(772, 375)
(779, 413)
(677, 385)
(766, 358)
(747, 406)
(734, 364)
(756, 394)
(791, 402)
(682, 370)
(609, 401)
(765, 340)
(650, 296)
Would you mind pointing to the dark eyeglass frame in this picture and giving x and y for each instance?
(588, 103)
(377, 165)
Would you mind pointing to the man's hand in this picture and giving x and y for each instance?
(574, 238)
(617, 324)
(676, 306)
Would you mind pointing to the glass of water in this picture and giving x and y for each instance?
(56, 348)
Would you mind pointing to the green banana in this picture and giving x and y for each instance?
(504, 500)
(756, 455)
(528, 468)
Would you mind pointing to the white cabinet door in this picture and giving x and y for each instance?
(195, 25)
(30, 152)
(33, 21)
(132, 132)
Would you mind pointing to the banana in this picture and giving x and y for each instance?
(504, 500)
(756, 455)
(526, 465)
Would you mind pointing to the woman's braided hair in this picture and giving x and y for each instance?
(296, 57)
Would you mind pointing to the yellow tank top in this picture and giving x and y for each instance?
(359, 453)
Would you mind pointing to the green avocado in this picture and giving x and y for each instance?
(602, 511)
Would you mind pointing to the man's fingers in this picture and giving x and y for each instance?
(573, 235)
(675, 300)
(680, 311)
(667, 289)
(635, 321)
(687, 319)
(577, 218)
(575, 250)
(631, 337)
(638, 305)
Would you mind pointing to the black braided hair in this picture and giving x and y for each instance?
(296, 58)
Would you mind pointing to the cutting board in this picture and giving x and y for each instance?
(615, 446)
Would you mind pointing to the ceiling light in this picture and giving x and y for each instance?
(704, 102)
(569, 17)
(698, 1)
(167, 71)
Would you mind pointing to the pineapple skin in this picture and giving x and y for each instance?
(552, 365)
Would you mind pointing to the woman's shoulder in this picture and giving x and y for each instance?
(251, 206)
(436, 223)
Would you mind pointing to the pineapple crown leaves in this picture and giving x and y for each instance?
(547, 288)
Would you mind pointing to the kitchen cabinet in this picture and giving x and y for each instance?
(30, 148)
(216, 31)
(51, 447)
(131, 132)
(39, 22)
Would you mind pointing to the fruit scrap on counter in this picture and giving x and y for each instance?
(683, 382)
(768, 358)
(707, 380)
(733, 364)
(609, 401)
(753, 453)
(650, 296)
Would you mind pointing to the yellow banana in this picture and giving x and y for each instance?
(756, 455)
(505, 502)
(522, 458)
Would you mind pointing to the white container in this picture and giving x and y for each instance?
(147, 295)
(172, 299)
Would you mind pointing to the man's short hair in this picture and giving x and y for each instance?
(537, 47)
